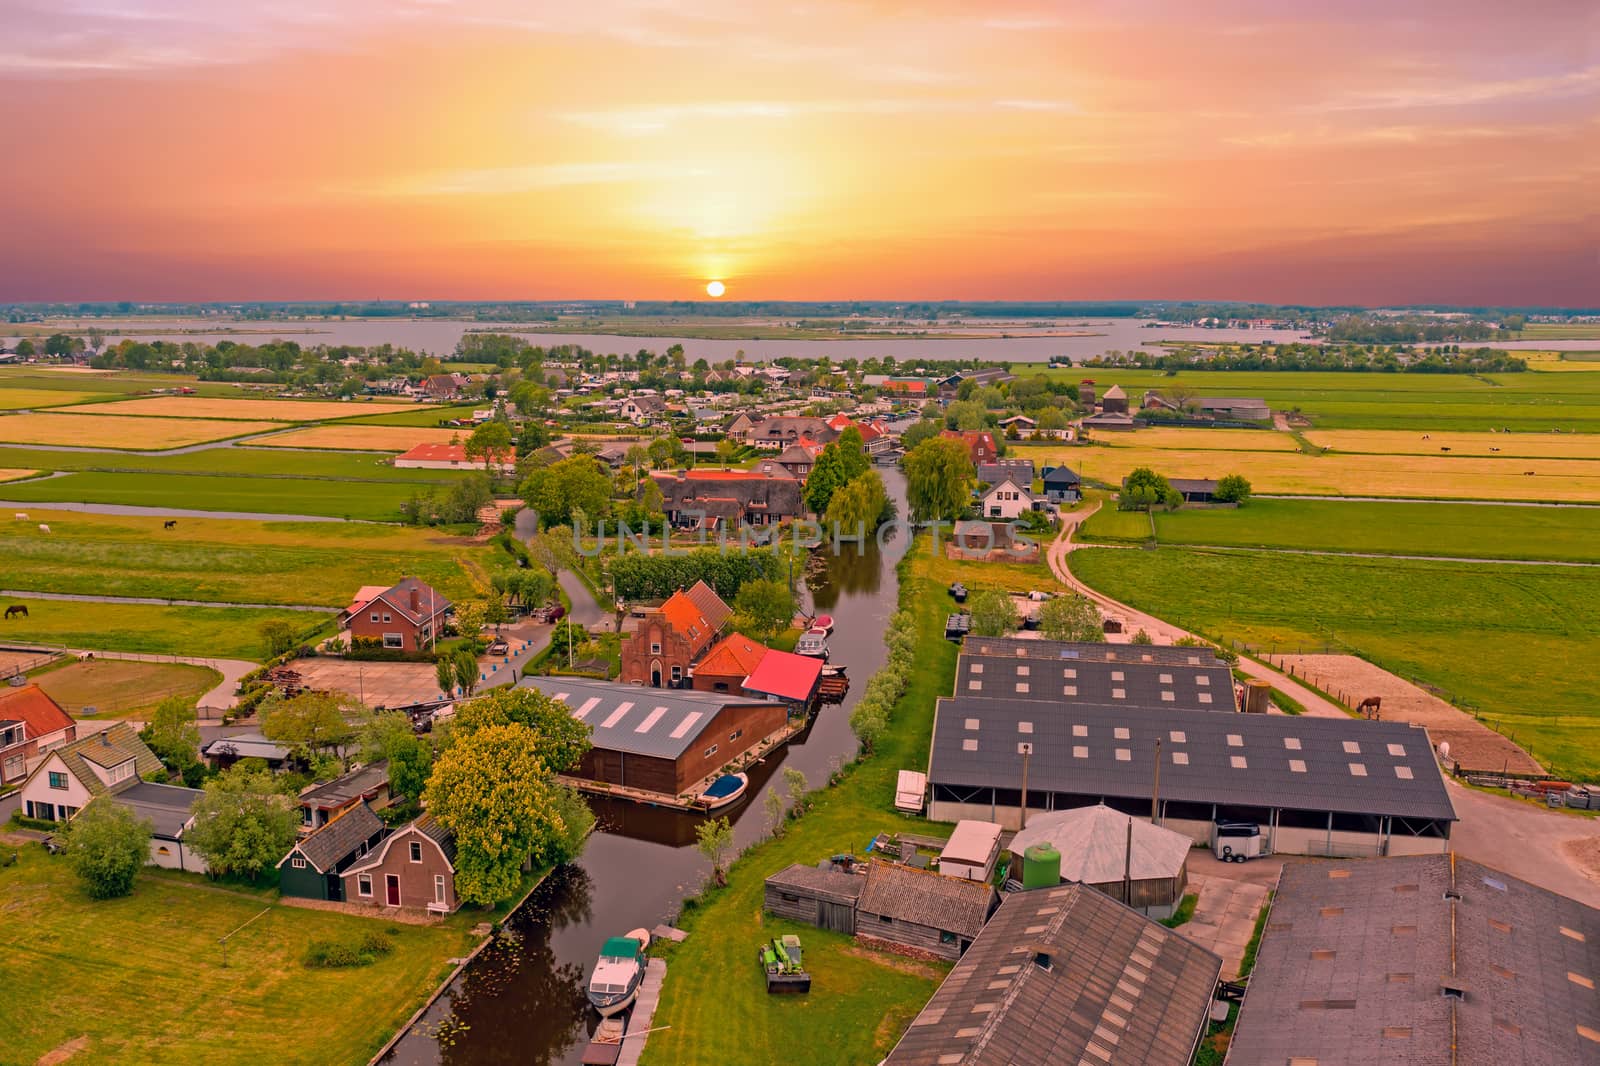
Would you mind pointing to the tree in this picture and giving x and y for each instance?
(172, 733)
(571, 487)
(992, 613)
(714, 839)
(466, 670)
(278, 637)
(794, 782)
(390, 736)
(1051, 419)
(1071, 617)
(242, 824)
(25, 348)
(727, 451)
(494, 792)
(764, 607)
(939, 480)
(489, 442)
(1144, 488)
(1141, 637)
(773, 803)
(966, 414)
(862, 503)
(1232, 489)
(563, 739)
(918, 432)
(310, 724)
(825, 479)
(444, 671)
(106, 845)
(471, 617)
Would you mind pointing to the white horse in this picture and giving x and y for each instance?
(43, 528)
(22, 516)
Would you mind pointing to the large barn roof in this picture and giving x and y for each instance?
(658, 722)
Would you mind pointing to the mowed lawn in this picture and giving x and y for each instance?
(362, 500)
(15, 399)
(365, 438)
(121, 687)
(1463, 530)
(227, 561)
(140, 979)
(98, 430)
(1340, 474)
(1512, 640)
(202, 632)
(228, 408)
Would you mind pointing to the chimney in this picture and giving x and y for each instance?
(416, 599)
(105, 738)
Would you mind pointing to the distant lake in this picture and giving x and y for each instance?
(1024, 345)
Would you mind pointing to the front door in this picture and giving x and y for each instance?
(391, 889)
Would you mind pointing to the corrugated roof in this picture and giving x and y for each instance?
(1312, 764)
(1090, 651)
(1066, 977)
(998, 668)
(972, 842)
(343, 789)
(951, 904)
(785, 675)
(1356, 955)
(639, 721)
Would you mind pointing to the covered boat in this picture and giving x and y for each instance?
(823, 622)
(617, 973)
(724, 790)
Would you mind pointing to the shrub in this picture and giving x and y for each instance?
(362, 950)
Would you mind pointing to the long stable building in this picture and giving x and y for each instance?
(663, 741)
(1091, 725)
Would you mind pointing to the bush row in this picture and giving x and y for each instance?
(870, 719)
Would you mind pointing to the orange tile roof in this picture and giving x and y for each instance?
(735, 655)
(682, 615)
(33, 705)
(448, 453)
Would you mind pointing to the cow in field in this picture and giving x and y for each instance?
(43, 528)
(22, 516)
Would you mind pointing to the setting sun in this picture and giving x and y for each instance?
(715, 289)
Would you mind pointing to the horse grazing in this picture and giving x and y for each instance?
(22, 516)
(43, 528)
(16, 609)
(172, 523)
(1444, 449)
(1371, 707)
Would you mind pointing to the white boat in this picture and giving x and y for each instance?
(813, 643)
(614, 985)
(724, 790)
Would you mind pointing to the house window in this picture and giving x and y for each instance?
(885, 919)
(121, 773)
(655, 648)
(438, 888)
(712, 750)
(58, 780)
(394, 640)
(735, 735)
(374, 616)
(385, 619)
(946, 937)
(361, 849)
(416, 851)
(298, 862)
(364, 884)
(14, 767)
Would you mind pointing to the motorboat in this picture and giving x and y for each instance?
(614, 985)
(814, 643)
(724, 790)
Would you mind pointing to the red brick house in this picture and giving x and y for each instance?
(407, 617)
(414, 869)
(31, 723)
(980, 444)
(670, 638)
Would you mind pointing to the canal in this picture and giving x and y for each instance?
(522, 1000)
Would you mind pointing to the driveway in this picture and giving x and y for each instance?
(586, 610)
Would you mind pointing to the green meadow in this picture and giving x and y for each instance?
(1483, 531)
(222, 632)
(1515, 642)
(363, 501)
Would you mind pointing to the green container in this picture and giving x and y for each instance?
(1041, 867)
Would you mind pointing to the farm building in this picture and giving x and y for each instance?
(1115, 401)
(661, 741)
(1061, 484)
(1422, 959)
(223, 752)
(1194, 490)
(727, 663)
(1063, 977)
(1129, 677)
(313, 867)
(1316, 786)
(817, 895)
(907, 908)
(1239, 408)
(1093, 846)
(784, 676)
(452, 457)
(991, 541)
(971, 851)
(30, 723)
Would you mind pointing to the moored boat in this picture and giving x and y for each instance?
(823, 622)
(813, 643)
(724, 790)
(614, 985)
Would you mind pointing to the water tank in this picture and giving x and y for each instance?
(1041, 867)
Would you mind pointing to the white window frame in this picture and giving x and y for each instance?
(374, 616)
(53, 775)
(399, 640)
(386, 618)
(712, 750)
(364, 885)
(297, 861)
(414, 852)
(438, 888)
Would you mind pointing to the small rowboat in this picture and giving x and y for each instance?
(724, 790)
(823, 622)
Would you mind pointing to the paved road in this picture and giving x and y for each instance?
(72, 597)
(586, 610)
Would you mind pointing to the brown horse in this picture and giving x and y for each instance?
(1371, 707)
(16, 609)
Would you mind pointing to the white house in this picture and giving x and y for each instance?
(1006, 500)
(642, 409)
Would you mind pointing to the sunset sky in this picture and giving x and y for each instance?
(1349, 151)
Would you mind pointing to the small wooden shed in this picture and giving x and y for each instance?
(817, 895)
(929, 914)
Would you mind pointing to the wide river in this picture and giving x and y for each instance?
(522, 1000)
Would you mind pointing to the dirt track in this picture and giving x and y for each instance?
(1474, 745)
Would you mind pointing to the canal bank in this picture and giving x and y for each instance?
(521, 1001)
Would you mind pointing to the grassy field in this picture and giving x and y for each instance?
(109, 431)
(249, 461)
(1463, 530)
(14, 399)
(123, 687)
(241, 408)
(366, 501)
(1559, 331)
(85, 380)
(140, 979)
(318, 563)
(1399, 442)
(7, 474)
(365, 438)
(1533, 401)
(1339, 474)
(1506, 639)
(416, 415)
(1220, 440)
(220, 632)
(714, 1000)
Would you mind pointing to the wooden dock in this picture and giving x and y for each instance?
(644, 1012)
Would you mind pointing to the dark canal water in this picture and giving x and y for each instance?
(522, 1001)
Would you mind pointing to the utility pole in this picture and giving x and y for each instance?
(1155, 791)
(1026, 748)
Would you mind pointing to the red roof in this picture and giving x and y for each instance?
(448, 453)
(33, 706)
(735, 655)
(785, 675)
(699, 474)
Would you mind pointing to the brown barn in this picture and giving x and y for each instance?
(663, 742)
(817, 895)
(923, 911)
(670, 638)
(414, 868)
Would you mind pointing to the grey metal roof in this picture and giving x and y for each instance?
(1190, 484)
(637, 720)
(1344, 765)
(341, 836)
(1119, 990)
(814, 880)
(1356, 954)
(246, 746)
(1060, 475)
(951, 904)
(167, 807)
(1079, 674)
(353, 785)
